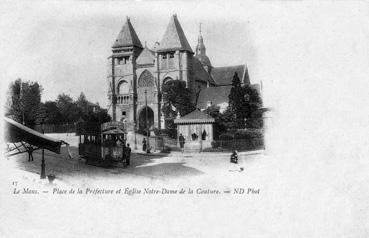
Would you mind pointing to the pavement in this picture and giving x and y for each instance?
(156, 167)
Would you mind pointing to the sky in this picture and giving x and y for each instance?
(64, 46)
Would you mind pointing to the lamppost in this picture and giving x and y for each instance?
(147, 129)
(113, 93)
(135, 130)
(21, 100)
(43, 172)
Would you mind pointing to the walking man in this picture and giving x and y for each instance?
(128, 154)
(181, 141)
(144, 144)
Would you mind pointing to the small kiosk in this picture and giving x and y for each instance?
(197, 130)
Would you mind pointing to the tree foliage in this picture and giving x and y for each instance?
(82, 103)
(68, 108)
(177, 99)
(237, 102)
(244, 102)
(24, 101)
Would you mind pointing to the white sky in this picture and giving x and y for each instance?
(64, 46)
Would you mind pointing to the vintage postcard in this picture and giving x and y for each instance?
(184, 119)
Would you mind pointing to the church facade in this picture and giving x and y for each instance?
(136, 75)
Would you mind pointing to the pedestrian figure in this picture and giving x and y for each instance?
(181, 141)
(128, 154)
(30, 150)
(144, 144)
(124, 152)
(203, 136)
(234, 157)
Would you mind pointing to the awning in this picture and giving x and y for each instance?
(16, 132)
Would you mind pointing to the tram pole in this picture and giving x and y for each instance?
(135, 130)
(147, 129)
(113, 94)
(43, 170)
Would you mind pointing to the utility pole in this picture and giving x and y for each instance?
(147, 128)
(43, 170)
(135, 130)
(113, 95)
(21, 102)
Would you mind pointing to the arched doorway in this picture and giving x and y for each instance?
(142, 125)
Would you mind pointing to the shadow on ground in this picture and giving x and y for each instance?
(166, 170)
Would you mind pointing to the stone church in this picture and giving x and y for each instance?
(137, 72)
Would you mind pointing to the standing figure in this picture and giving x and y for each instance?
(144, 144)
(30, 150)
(128, 154)
(181, 141)
(234, 157)
(124, 149)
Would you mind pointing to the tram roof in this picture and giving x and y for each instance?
(115, 131)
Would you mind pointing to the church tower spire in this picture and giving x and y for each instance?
(201, 52)
(200, 48)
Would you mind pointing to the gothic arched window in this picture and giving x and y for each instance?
(123, 87)
(146, 79)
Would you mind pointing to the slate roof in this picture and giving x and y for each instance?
(216, 95)
(146, 57)
(195, 117)
(204, 59)
(224, 75)
(127, 36)
(200, 73)
(174, 38)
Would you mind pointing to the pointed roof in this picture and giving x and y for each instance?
(224, 75)
(127, 36)
(195, 117)
(200, 73)
(174, 38)
(146, 57)
(201, 51)
(216, 95)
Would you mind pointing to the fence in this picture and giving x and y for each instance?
(169, 144)
(237, 144)
(56, 128)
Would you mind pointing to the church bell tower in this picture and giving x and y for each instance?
(122, 74)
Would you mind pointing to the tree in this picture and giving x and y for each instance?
(177, 99)
(24, 101)
(244, 102)
(220, 125)
(252, 108)
(53, 115)
(100, 116)
(237, 102)
(67, 108)
(82, 104)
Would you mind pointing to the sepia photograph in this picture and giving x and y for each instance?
(184, 118)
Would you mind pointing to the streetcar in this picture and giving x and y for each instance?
(103, 145)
